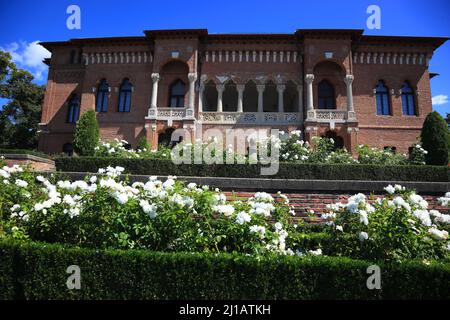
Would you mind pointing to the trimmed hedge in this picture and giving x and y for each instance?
(286, 170)
(24, 151)
(38, 271)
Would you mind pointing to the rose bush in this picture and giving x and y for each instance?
(291, 149)
(395, 227)
(104, 212)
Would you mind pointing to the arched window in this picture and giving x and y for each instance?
(177, 90)
(382, 96)
(101, 104)
(125, 96)
(408, 105)
(74, 109)
(326, 95)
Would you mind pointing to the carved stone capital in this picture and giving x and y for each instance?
(192, 76)
(281, 87)
(260, 87)
(309, 78)
(349, 79)
(155, 77)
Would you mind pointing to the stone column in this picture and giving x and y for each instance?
(348, 81)
(201, 91)
(260, 88)
(192, 78)
(155, 78)
(309, 78)
(153, 111)
(220, 88)
(240, 89)
(280, 89)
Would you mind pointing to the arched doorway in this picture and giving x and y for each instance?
(173, 86)
(330, 89)
(165, 138)
(68, 149)
(338, 140)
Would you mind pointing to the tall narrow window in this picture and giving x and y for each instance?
(408, 105)
(125, 96)
(382, 97)
(326, 95)
(177, 90)
(101, 103)
(74, 109)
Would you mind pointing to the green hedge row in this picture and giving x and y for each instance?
(286, 170)
(24, 151)
(38, 271)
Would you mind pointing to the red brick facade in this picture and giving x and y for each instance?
(241, 81)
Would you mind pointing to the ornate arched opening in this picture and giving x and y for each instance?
(230, 97)
(290, 97)
(270, 100)
(210, 96)
(250, 97)
(174, 75)
(165, 138)
(330, 90)
(338, 140)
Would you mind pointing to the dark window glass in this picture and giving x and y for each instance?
(408, 105)
(326, 95)
(382, 98)
(177, 90)
(101, 104)
(125, 96)
(74, 109)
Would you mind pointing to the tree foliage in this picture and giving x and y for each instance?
(20, 115)
(435, 138)
(87, 134)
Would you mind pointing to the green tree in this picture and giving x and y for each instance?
(21, 114)
(86, 134)
(435, 138)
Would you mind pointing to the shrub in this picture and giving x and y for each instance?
(165, 216)
(435, 139)
(417, 155)
(286, 170)
(143, 144)
(396, 227)
(368, 155)
(38, 271)
(86, 134)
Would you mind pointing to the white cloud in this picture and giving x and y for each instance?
(29, 56)
(440, 99)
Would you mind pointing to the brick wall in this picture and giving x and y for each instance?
(264, 58)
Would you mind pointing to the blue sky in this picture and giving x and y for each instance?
(26, 22)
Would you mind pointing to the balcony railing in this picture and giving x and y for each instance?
(258, 118)
(321, 115)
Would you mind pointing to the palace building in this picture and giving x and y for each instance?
(356, 88)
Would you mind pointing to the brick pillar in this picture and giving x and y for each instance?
(151, 135)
